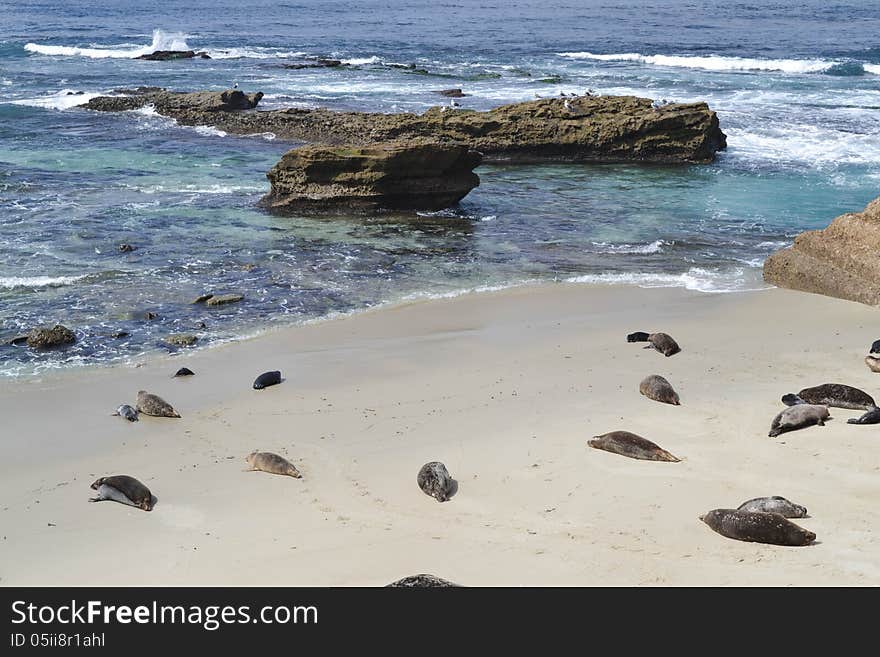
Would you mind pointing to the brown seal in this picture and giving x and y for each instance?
(124, 489)
(873, 363)
(757, 527)
(837, 395)
(799, 416)
(150, 404)
(659, 389)
(631, 445)
(662, 342)
(271, 463)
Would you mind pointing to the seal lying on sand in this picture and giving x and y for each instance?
(184, 371)
(871, 417)
(659, 389)
(757, 527)
(434, 480)
(774, 504)
(875, 347)
(127, 412)
(659, 341)
(124, 489)
(873, 363)
(799, 416)
(150, 404)
(421, 581)
(271, 463)
(631, 445)
(837, 395)
(267, 379)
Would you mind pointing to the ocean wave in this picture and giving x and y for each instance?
(654, 247)
(252, 53)
(60, 100)
(15, 282)
(721, 63)
(161, 41)
(697, 279)
(803, 144)
(361, 61)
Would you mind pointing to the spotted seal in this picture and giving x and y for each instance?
(659, 389)
(662, 342)
(434, 480)
(271, 463)
(757, 527)
(124, 489)
(799, 416)
(267, 379)
(422, 580)
(774, 504)
(836, 395)
(127, 412)
(631, 445)
(871, 417)
(150, 404)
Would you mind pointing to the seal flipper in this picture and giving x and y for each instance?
(641, 336)
(871, 417)
(792, 399)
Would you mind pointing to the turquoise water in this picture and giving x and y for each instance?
(796, 87)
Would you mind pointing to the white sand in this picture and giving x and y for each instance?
(505, 388)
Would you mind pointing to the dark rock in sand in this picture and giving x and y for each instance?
(450, 93)
(594, 129)
(839, 261)
(43, 338)
(419, 174)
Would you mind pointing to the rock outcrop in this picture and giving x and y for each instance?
(579, 129)
(408, 175)
(46, 337)
(843, 260)
(166, 55)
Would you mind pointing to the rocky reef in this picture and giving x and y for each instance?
(416, 174)
(576, 129)
(840, 261)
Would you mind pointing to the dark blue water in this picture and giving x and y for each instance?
(796, 86)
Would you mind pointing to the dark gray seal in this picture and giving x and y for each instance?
(127, 412)
(267, 379)
(434, 480)
(757, 527)
(659, 389)
(875, 347)
(124, 489)
(871, 417)
(836, 395)
(799, 416)
(421, 581)
(662, 342)
(774, 504)
(271, 463)
(631, 445)
(184, 371)
(150, 404)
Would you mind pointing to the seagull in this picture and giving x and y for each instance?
(537, 96)
(562, 94)
(655, 105)
(235, 86)
(589, 92)
(452, 103)
(567, 105)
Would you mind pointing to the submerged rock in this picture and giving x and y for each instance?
(45, 337)
(572, 129)
(182, 339)
(417, 174)
(450, 93)
(222, 299)
(166, 55)
(839, 261)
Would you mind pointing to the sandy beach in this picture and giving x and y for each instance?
(505, 388)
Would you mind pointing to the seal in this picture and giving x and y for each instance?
(757, 527)
(271, 463)
(124, 489)
(871, 417)
(873, 363)
(662, 342)
(836, 395)
(799, 416)
(184, 371)
(434, 480)
(150, 404)
(127, 412)
(774, 504)
(875, 347)
(659, 389)
(631, 445)
(267, 379)
(422, 580)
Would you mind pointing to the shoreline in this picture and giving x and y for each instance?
(505, 387)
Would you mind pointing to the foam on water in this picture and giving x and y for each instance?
(697, 279)
(60, 100)
(643, 249)
(15, 282)
(161, 41)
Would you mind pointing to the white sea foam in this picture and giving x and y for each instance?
(714, 62)
(161, 41)
(209, 131)
(696, 278)
(874, 69)
(808, 144)
(361, 61)
(654, 247)
(13, 282)
(252, 53)
(64, 99)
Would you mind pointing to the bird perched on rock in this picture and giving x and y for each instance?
(567, 105)
(453, 104)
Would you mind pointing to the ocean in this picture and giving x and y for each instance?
(796, 86)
